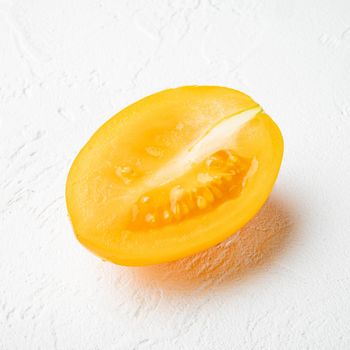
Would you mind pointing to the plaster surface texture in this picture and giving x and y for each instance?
(282, 282)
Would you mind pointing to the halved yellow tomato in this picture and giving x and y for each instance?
(173, 174)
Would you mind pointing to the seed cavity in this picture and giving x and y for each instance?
(218, 178)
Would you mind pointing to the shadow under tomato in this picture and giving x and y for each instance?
(256, 244)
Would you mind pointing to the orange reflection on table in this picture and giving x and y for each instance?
(245, 251)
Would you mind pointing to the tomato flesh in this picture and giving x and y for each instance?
(173, 174)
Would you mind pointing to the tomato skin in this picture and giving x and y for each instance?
(142, 150)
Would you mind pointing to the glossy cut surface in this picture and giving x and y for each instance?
(173, 174)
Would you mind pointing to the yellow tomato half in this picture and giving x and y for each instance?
(173, 174)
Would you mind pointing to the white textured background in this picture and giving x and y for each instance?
(283, 282)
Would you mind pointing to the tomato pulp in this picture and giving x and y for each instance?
(173, 174)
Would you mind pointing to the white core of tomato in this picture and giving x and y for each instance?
(216, 138)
